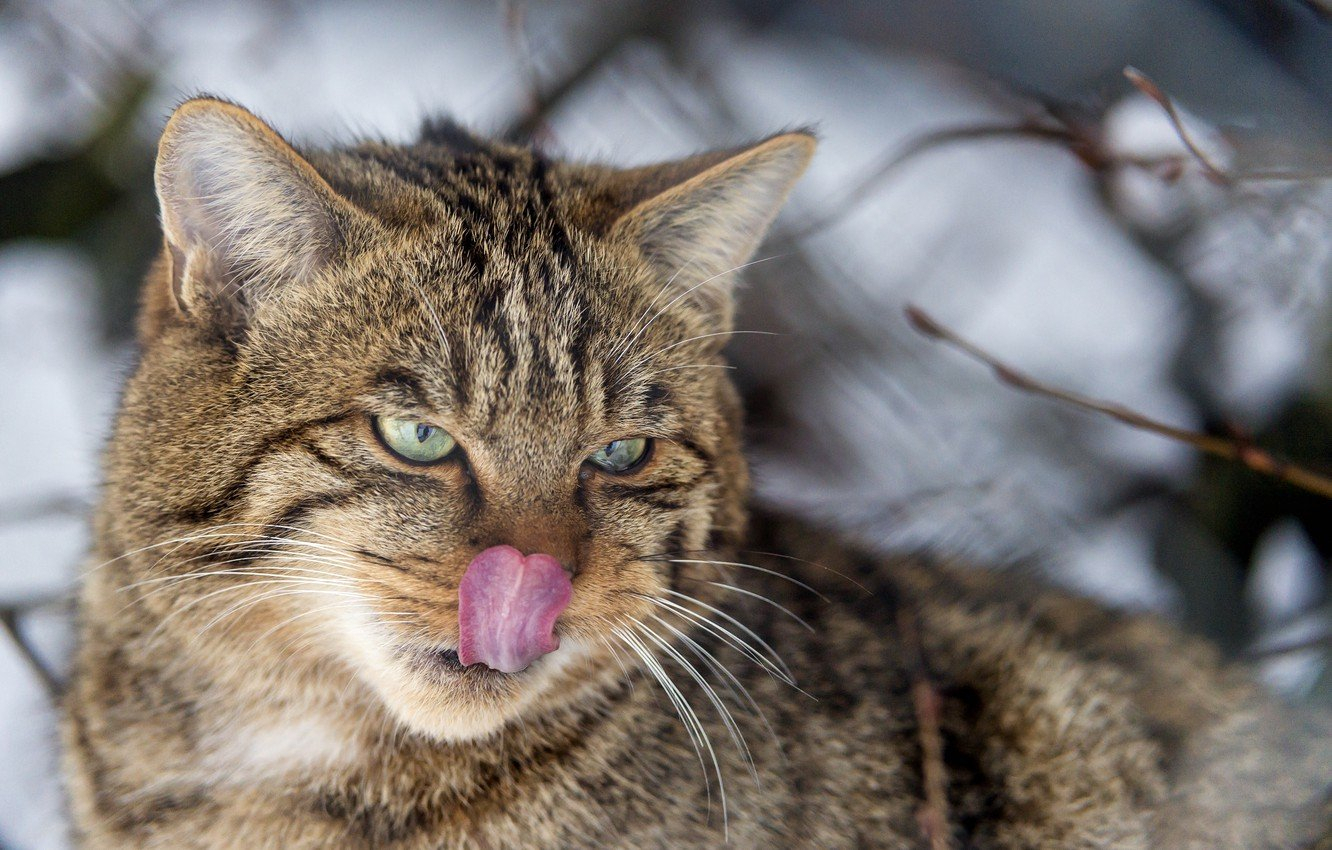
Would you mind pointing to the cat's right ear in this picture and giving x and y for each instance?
(702, 229)
(243, 213)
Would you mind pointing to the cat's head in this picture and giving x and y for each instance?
(381, 384)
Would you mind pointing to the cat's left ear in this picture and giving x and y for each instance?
(243, 213)
(698, 232)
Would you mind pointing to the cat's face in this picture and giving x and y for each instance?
(463, 404)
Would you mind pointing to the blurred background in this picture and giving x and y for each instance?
(987, 162)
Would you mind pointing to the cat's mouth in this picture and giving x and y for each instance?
(443, 663)
(446, 661)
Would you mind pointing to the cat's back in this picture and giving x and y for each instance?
(1060, 723)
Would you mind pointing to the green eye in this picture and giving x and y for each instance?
(414, 441)
(621, 455)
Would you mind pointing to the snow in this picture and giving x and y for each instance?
(893, 437)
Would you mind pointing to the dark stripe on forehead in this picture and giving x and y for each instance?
(405, 384)
(472, 251)
(403, 387)
(561, 245)
(541, 370)
(402, 165)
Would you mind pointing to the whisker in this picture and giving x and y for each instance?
(787, 611)
(793, 580)
(677, 298)
(181, 609)
(439, 326)
(814, 564)
(775, 667)
(734, 685)
(649, 375)
(216, 531)
(730, 618)
(697, 734)
(646, 357)
(622, 347)
(720, 707)
(239, 571)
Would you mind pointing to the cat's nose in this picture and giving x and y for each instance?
(547, 533)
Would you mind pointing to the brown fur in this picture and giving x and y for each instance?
(507, 298)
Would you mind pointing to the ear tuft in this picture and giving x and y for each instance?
(699, 231)
(243, 213)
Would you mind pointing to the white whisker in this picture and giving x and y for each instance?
(698, 736)
(775, 666)
(797, 582)
(787, 611)
(732, 728)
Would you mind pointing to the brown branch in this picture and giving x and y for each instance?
(933, 812)
(535, 109)
(602, 40)
(1082, 140)
(1322, 640)
(925, 143)
(1234, 448)
(15, 512)
(1147, 86)
(9, 623)
(1211, 168)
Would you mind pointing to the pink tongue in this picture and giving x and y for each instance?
(507, 606)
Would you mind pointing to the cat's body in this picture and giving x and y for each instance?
(270, 652)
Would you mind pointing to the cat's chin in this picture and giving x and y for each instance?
(452, 720)
(433, 695)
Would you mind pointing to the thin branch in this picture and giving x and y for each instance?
(602, 42)
(9, 622)
(1236, 447)
(15, 512)
(925, 143)
(933, 812)
(1147, 86)
(1081, 139)
(535, 110)
(1322, 640)
(1216, 172)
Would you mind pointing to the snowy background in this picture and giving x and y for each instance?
(1121, 272)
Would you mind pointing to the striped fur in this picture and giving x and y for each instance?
(258, 664)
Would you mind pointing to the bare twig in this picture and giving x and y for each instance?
(1147, 86)
(933, 812)
(1214, 171)
(1083, 139)
(602, 41)
(534, 111)
(58, 505)
(1322, 640)
(9, 622)
(1236, 447)
(924, 143)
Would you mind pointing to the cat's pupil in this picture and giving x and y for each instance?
(423, 432)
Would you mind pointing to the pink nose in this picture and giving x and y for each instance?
(507, 607)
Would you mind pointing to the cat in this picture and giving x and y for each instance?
(426, 525)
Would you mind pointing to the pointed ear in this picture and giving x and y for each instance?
(243, 213)
(698, 231)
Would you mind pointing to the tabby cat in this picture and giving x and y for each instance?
(425, 526)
